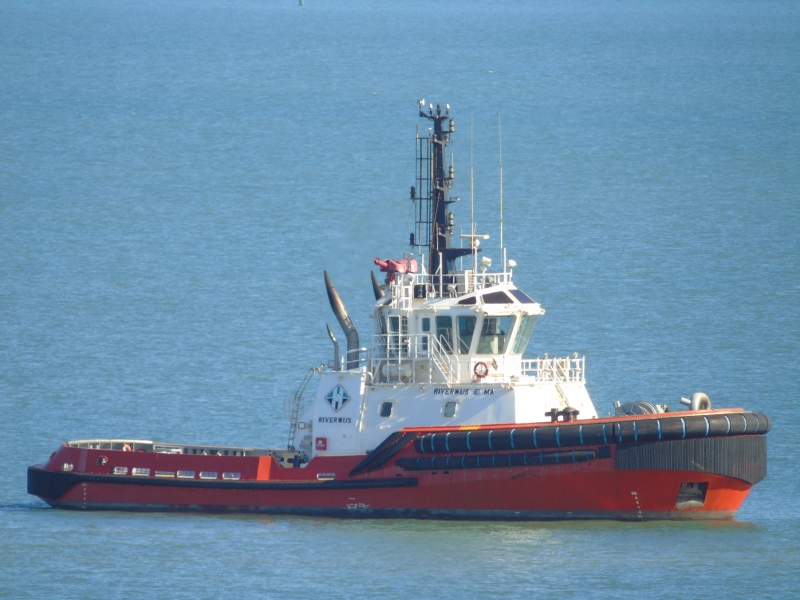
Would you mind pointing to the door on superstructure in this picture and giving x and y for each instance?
(397, 336)
(466, 331)
(444, 333)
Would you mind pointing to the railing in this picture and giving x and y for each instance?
(409, 358)
(394, 346)
(418, 358)
(408, 286)
(449, 368)
(559, 370)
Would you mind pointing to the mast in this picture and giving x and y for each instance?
(434, 223)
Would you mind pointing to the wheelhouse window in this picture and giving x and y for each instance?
(466, 329)
(523, 335)
(496, 298)
(495, 333)
(444, 333)
(522, 297)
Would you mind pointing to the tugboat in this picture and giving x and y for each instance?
(442, 416)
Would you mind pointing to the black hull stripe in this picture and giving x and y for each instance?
(53, 484)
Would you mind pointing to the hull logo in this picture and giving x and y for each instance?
(337, 398)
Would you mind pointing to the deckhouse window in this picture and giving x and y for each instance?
(386, 409)
(523, 335)
(444, 333)
(495, 334)
(426, 329)
(450, 409)
(466, 328)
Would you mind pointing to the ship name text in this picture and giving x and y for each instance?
(463, 391)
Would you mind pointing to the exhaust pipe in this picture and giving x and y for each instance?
(336, 365)
(344, 322)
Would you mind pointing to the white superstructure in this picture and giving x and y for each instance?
(448, 342)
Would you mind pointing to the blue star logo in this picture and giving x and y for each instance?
(337, 398)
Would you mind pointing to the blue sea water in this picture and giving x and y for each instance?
(175, 175)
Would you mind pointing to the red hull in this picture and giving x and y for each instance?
(611, 485)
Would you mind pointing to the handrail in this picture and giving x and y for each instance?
(402, 289)
(560, 370)
(443, 360)
(396, 357)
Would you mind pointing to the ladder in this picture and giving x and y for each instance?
(443, 361)
(297, 404)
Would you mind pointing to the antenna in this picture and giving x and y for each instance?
(502, 247)
(472, 193)
(434, 223)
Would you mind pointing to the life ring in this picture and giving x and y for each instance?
(481, 370)
(126, 448)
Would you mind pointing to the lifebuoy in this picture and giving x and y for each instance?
(481, 370)
(126, 448)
